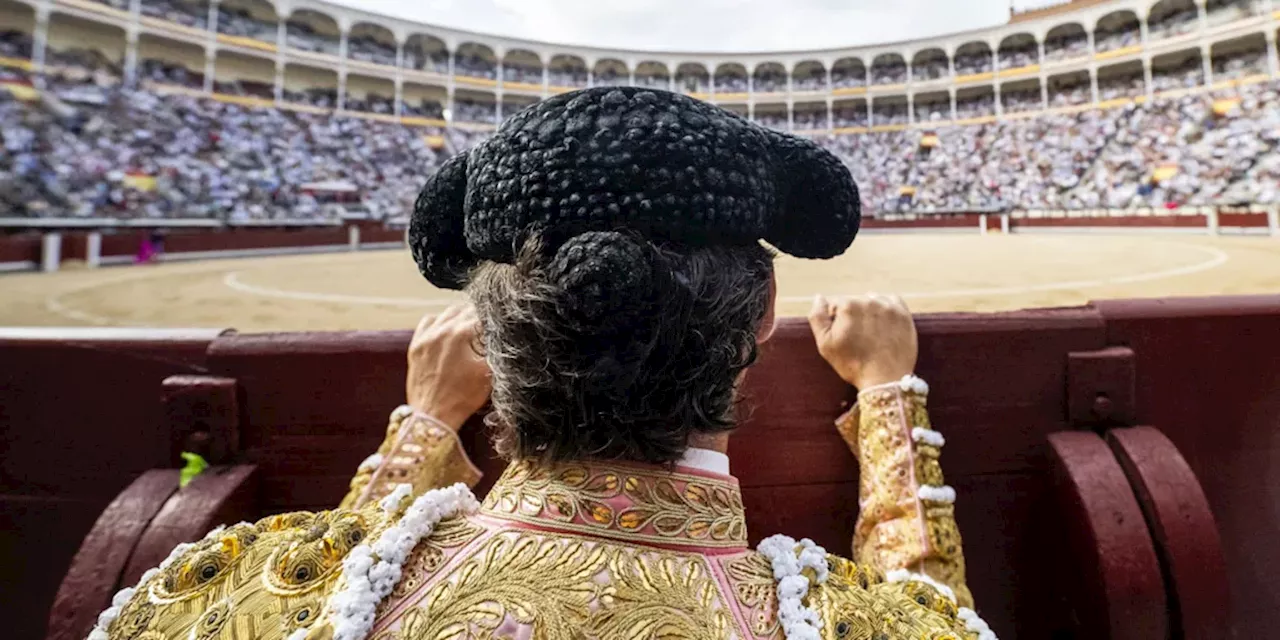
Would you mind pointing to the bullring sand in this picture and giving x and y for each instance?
(382, 289)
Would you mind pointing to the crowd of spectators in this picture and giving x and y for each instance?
(769, 81)
(15, 44)
(1094, 158)
(222, 161)
(929, 70)
(202, 158)
(367, 48)
(1120, 87)
(1184, 76)
(889, 115)
(848, 76)
(971, 63)
(514, 72)
(691, 83)
(894, 72)
(1126, 36)
(415, 57)
(809, 120)
(1023, 57)
(1020, 101)
(299, 35)
(979, 106)
(567, 77)
(730, 83)
(843, 116)
(1239, 65)
(1184, 20)
(814, 79)
(422, 109)
(653, 81)
(239, 22)
(474, 67)
(773, 119)
(191, 13)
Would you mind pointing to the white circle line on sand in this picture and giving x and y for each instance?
(1217, 258)
(55, 304)
(232, 281)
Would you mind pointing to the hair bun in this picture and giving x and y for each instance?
(606, 278)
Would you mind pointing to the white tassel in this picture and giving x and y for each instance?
(944, 494)
(927, 436)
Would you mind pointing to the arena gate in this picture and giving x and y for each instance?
(1115, 463)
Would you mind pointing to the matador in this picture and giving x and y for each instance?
(617, 249)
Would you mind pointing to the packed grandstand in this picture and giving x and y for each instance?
(136, 109)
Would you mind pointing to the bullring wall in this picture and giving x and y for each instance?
(21, 247)
(1075, 523)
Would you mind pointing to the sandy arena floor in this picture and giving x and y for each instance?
(380, 290)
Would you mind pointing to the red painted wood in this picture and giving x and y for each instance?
(307, 439)
(1208, 376)
(1197, 221)
(220, 495)
(1117, 589)
(20, 247)
(1183, 528)
(1250, 220)
(1101, 387)
(254, 239)
(96, 570)
(203, 416)
(968, 220)
(79, 420)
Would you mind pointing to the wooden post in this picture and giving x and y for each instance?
(203, 416)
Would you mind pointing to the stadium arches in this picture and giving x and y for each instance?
(567, 72)
(731, 80)
(692, 77)
(650, 73)
(610, 72)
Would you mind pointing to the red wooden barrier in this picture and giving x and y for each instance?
(1249, 220)
(1196, 221)
(79, 420)
(1209, 378)
(968, 220)
(309, 407)
(96, 570)
(1117, 589)
(1185, 534)
(21, 247)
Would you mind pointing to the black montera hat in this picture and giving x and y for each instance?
(663, 165)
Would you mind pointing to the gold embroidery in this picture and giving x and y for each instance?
(895, 529)
(417, 451)
(654, 594)
(753, 585)
(564, 586)
(263, 580)
(430, 555)
(637, 504)
(855, 603)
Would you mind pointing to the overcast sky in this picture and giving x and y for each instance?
(706, 25)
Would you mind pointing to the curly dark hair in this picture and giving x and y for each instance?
(616, 347)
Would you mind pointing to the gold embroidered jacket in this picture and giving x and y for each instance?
(589, 550)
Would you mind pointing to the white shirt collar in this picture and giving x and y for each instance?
(705, 460)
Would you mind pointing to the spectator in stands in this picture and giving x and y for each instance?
(614, 340)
